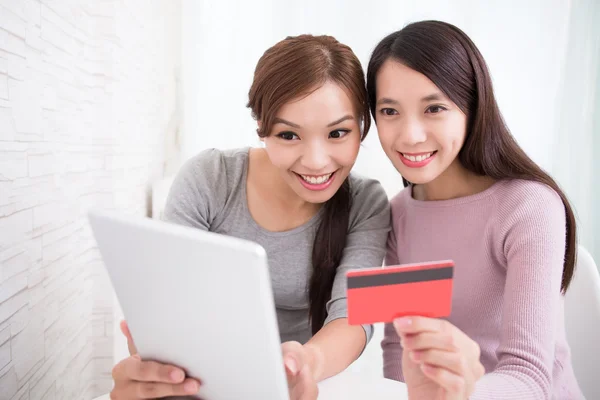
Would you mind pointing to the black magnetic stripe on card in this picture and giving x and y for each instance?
(395, 278)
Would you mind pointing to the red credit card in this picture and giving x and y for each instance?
(383, 294)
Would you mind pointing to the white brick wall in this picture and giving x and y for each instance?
(87, 93)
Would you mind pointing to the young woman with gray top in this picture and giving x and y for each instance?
(296, 198)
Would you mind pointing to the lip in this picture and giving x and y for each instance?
(319, 186)
(416, 164)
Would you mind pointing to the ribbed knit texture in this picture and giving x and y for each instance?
(508, 245)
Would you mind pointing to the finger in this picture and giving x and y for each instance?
(450, 360)
(130, 345)
(453, 384)
(291, 366)
(310, 389)
(153, 390)
(304, 387)
(294, 357)
(294, 350)
(125, 329)
(417, 324)
(133, 368)
(428, 340)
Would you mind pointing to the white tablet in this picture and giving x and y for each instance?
(198, 300)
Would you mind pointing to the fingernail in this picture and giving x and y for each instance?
(291, 365)
(403, 322)
(190, 387)
(177, 375)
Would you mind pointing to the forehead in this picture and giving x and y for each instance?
(397, 81)
(326, 103)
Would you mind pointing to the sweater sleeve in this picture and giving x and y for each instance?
(533, 234)
(365, 245)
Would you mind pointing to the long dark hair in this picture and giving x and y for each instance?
(446, 55)
(292, 68)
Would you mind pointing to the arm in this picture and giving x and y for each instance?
(334, 348)
(338, 344)
(534, 250)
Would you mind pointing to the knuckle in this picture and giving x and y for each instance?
(480, 370)
(142, 368)
(461, 364)
(477, 350)
(446, 326)
(131, 368)
(459, 385)
(115, 373)
(147, 390)
(449, 338)
(163, 372)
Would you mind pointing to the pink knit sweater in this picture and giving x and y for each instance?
(507, 243)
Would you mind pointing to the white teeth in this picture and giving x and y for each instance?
(316, 180)
(417, 158)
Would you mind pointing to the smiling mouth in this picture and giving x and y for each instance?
(418, 157)
(316, 179)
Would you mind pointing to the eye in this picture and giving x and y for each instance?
(435, 109)
(388, 111)
(288, 136)
(338, 133)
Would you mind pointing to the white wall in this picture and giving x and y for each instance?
(87, 92)
(524, 45)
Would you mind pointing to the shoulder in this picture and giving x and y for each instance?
(206, 180)
(528, 213)
(213, 169)
(518, 199)
(213, 161)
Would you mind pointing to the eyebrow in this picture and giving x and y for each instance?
(278, 120)
(386, 100)
(431, 97)
(344, 118)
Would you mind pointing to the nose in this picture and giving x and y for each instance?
(412, 132)
(316, 157)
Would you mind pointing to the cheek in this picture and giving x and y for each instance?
(281, 157)
(456, 131)
(349, 151)
(450, 135)
(386, 134)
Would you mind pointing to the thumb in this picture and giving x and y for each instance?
(127, 333)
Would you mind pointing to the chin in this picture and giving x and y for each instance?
(416, 178)
(317, 197)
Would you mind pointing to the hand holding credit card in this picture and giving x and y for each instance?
(383, 294)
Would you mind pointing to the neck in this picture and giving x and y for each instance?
(455, 182)
(264, 175)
